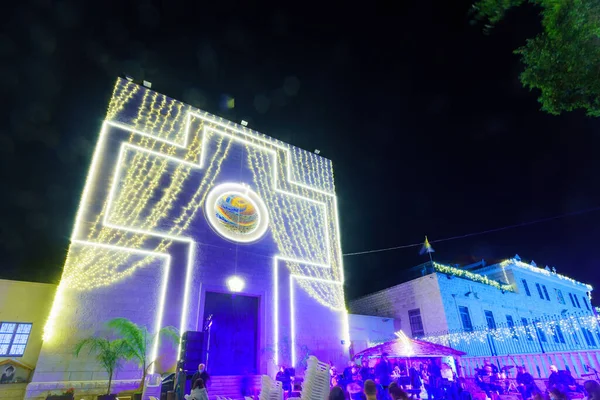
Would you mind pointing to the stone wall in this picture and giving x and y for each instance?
(422, 293)
(365, 329)
(12, 391)
(83, 314)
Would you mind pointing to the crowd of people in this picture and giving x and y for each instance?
(389, 381)
(434, 377)
(561, 385)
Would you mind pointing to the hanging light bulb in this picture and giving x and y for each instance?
(235, 284)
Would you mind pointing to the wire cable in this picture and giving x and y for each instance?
(537, 221)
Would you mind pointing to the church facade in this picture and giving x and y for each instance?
(185, 215)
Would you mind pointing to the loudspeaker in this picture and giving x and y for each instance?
(193, 350)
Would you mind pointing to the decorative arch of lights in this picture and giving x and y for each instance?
(156, 142)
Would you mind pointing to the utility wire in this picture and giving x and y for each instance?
(537, 221)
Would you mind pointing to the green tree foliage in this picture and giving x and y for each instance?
(109, 353)
(563, 61)
(139, 342)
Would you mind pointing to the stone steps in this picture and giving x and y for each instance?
(230, 386)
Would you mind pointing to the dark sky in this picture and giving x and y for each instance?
(422, 114)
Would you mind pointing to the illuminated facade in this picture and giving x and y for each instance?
(181, 206)
(508, 308)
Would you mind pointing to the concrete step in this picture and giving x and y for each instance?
(230, 386)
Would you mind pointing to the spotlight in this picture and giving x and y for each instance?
(317, 151)
(235, 284)
(244, 123)
(147, 84)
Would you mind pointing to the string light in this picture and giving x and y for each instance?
(462, 273)
(543, 271)
(143, 211)
(530, 332)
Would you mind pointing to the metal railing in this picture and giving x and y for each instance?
(575, 331)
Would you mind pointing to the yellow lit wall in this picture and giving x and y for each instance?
(28, 302)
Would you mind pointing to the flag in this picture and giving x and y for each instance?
(227, 102)
(426, 247)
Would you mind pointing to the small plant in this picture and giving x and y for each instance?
(69, 392)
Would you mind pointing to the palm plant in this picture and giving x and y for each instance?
(109, 354)
(139, 341)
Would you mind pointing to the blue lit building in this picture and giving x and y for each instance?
(512, 311)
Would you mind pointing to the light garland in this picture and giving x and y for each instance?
(566, 325)
(462, 273)
(143, 211)
(543, 271)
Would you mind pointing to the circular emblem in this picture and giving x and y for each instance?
(236, 213)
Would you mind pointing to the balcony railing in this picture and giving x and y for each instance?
(575, 331)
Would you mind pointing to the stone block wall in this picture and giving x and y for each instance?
(83, 314)
(12, 391)
(365, 329)
(422, 293)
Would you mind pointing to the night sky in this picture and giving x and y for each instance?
(428, 127)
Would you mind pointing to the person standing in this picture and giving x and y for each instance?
(284, 377)
(415, 376)
(365, 371)
(201, 373)
(525, 383)
(383, 371)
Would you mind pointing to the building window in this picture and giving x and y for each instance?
(510, 322)
(13, 338)
(559, 296)
(489, 318)
(585, 303)
(577, 301)
(572, 300)
(416, 323)
(540, 331)
(589, 338)
(557, 334)
(546, 292)
(526, 327)
(526, 286)
(465, 317)
(539, 289)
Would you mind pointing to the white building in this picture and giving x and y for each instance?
(366, 331)
(509, 308)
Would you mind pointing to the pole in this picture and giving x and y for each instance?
(430, 257)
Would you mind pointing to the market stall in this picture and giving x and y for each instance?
(403, 351)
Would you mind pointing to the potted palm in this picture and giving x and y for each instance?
(109, 354)
(139, 342)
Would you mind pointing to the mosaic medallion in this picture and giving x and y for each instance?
(236, 213)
